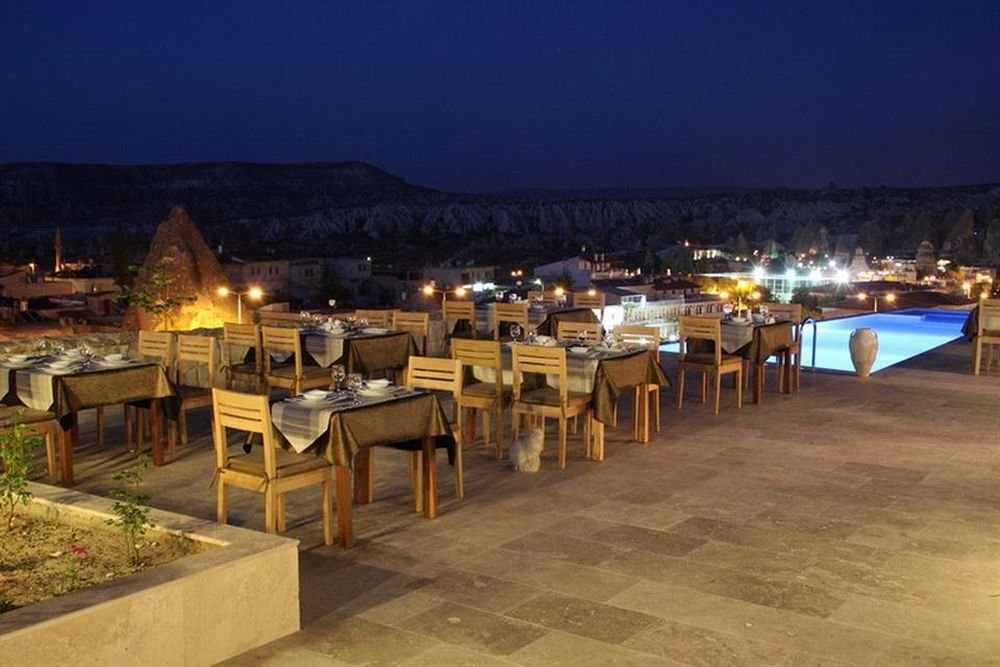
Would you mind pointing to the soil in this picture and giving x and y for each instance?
(42, 558)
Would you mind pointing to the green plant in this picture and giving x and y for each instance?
(17, 448)
(153, 293)
(130, 508)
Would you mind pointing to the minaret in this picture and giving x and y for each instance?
(59, 252)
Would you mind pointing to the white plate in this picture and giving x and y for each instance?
(372, 392)
(374, 330)
(315, 395)
(576, 349)
(60, 371)
(9, 363)
(380, 383)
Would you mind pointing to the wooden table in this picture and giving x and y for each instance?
(67, 394)
(413, 421)
(757, 343)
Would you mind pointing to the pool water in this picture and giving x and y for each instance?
(902, 334)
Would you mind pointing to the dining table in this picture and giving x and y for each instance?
(79, 385)
(757, 342)
(551, 317)
(367, 351)
(604, 373)
(346, 425)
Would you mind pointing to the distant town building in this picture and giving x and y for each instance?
(451, 276)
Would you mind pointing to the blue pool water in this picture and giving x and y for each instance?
(902, 334)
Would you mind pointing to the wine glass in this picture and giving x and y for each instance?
(581, 339)
(515, 332)
(338, 374)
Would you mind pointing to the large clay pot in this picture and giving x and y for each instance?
(864, 349)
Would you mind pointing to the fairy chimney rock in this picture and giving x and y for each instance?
(195, 275)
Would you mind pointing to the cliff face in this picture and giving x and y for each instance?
(340, 208)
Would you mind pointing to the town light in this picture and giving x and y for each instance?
(254, 293)
(428, 290)
(591, 292)
(460, 291)
(560, 291)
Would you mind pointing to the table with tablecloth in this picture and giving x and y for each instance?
(757, 343)
(551, 317)
(346, 431)
(92, 387)
(603, 373)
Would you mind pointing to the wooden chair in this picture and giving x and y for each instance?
(460, 311)
(793, 313)
(376, 318)
(35, 422)
(559, 403)
(440, 375)
(987, 333)
(295, 375)
(236, 340)
(418, 324)
(511, 313)
(155, 346)
(486, 396)
(569, 332)
(269, 469)
(650, 337)
(194, 353)
(595, 301)
(713, 363)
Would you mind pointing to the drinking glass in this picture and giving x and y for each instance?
(581, 338)
(515, 332)
(354, 381)
(338, 374)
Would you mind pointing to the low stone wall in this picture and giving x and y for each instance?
(197, 610)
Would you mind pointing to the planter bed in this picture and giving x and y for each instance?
(241, 591)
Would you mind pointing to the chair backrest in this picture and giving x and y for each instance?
(988, 321)
(193, 353)
(541, 360)
(588, 300)
(240, 336)
(250, 413)
(156, 346)
(701, 328)
(480, 354)
(435, 373)
(376, 318)
(639, 335)
(511, 313)
(546, 298)
(416, 324)
(570, 331)
(787, 311)
(281, 339)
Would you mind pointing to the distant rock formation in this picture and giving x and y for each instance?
(196, 276)
(926, 263)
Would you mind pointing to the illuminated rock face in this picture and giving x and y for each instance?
(180, 249)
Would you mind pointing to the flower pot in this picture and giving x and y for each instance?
(864, 349)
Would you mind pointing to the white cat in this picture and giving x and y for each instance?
(526, 451)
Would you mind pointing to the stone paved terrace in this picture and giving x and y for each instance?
(856, 523)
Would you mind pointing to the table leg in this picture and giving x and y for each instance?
(597, 434)
(363, 473)
(66, 442)
(641, 417)
(758, 382)
(789, 371)
(156, 430)
(430, 477)
(345, 512)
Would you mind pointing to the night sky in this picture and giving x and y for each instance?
(481, 96)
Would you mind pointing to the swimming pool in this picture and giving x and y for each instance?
(902, 334)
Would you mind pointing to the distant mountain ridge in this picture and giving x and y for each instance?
(353, 207)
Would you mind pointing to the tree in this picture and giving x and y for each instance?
(153, 294)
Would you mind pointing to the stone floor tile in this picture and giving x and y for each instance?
(558, 649)
(657, 541)
(562, 548)
(774, 592)
(449, 655)
(358, 641)
(701, 647)
(478, 590)
(658, 567)
(586, 618)
(562, 577)
(473, 629)
(284, 654)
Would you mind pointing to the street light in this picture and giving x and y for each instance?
(254, 293)
(890, 298)
(430, 290)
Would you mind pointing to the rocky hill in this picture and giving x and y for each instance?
(340, 208)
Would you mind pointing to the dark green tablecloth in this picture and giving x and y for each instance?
(549, 324)
(620, 374)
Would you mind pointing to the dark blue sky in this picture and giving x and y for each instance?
(473, 96)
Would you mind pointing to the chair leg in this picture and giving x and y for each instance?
(680, 389)
(328, 508)
(656, 406)
(718, 388)
(486, 427)
(221, 504)
(704, 387)
(739, 394)
(280, 512)
(459, 472)
(563, 427)
(416, 461)
(270, 508)
(977, 353)
(182, 420)
(50, 454)
(588, 424)
(500, 432)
